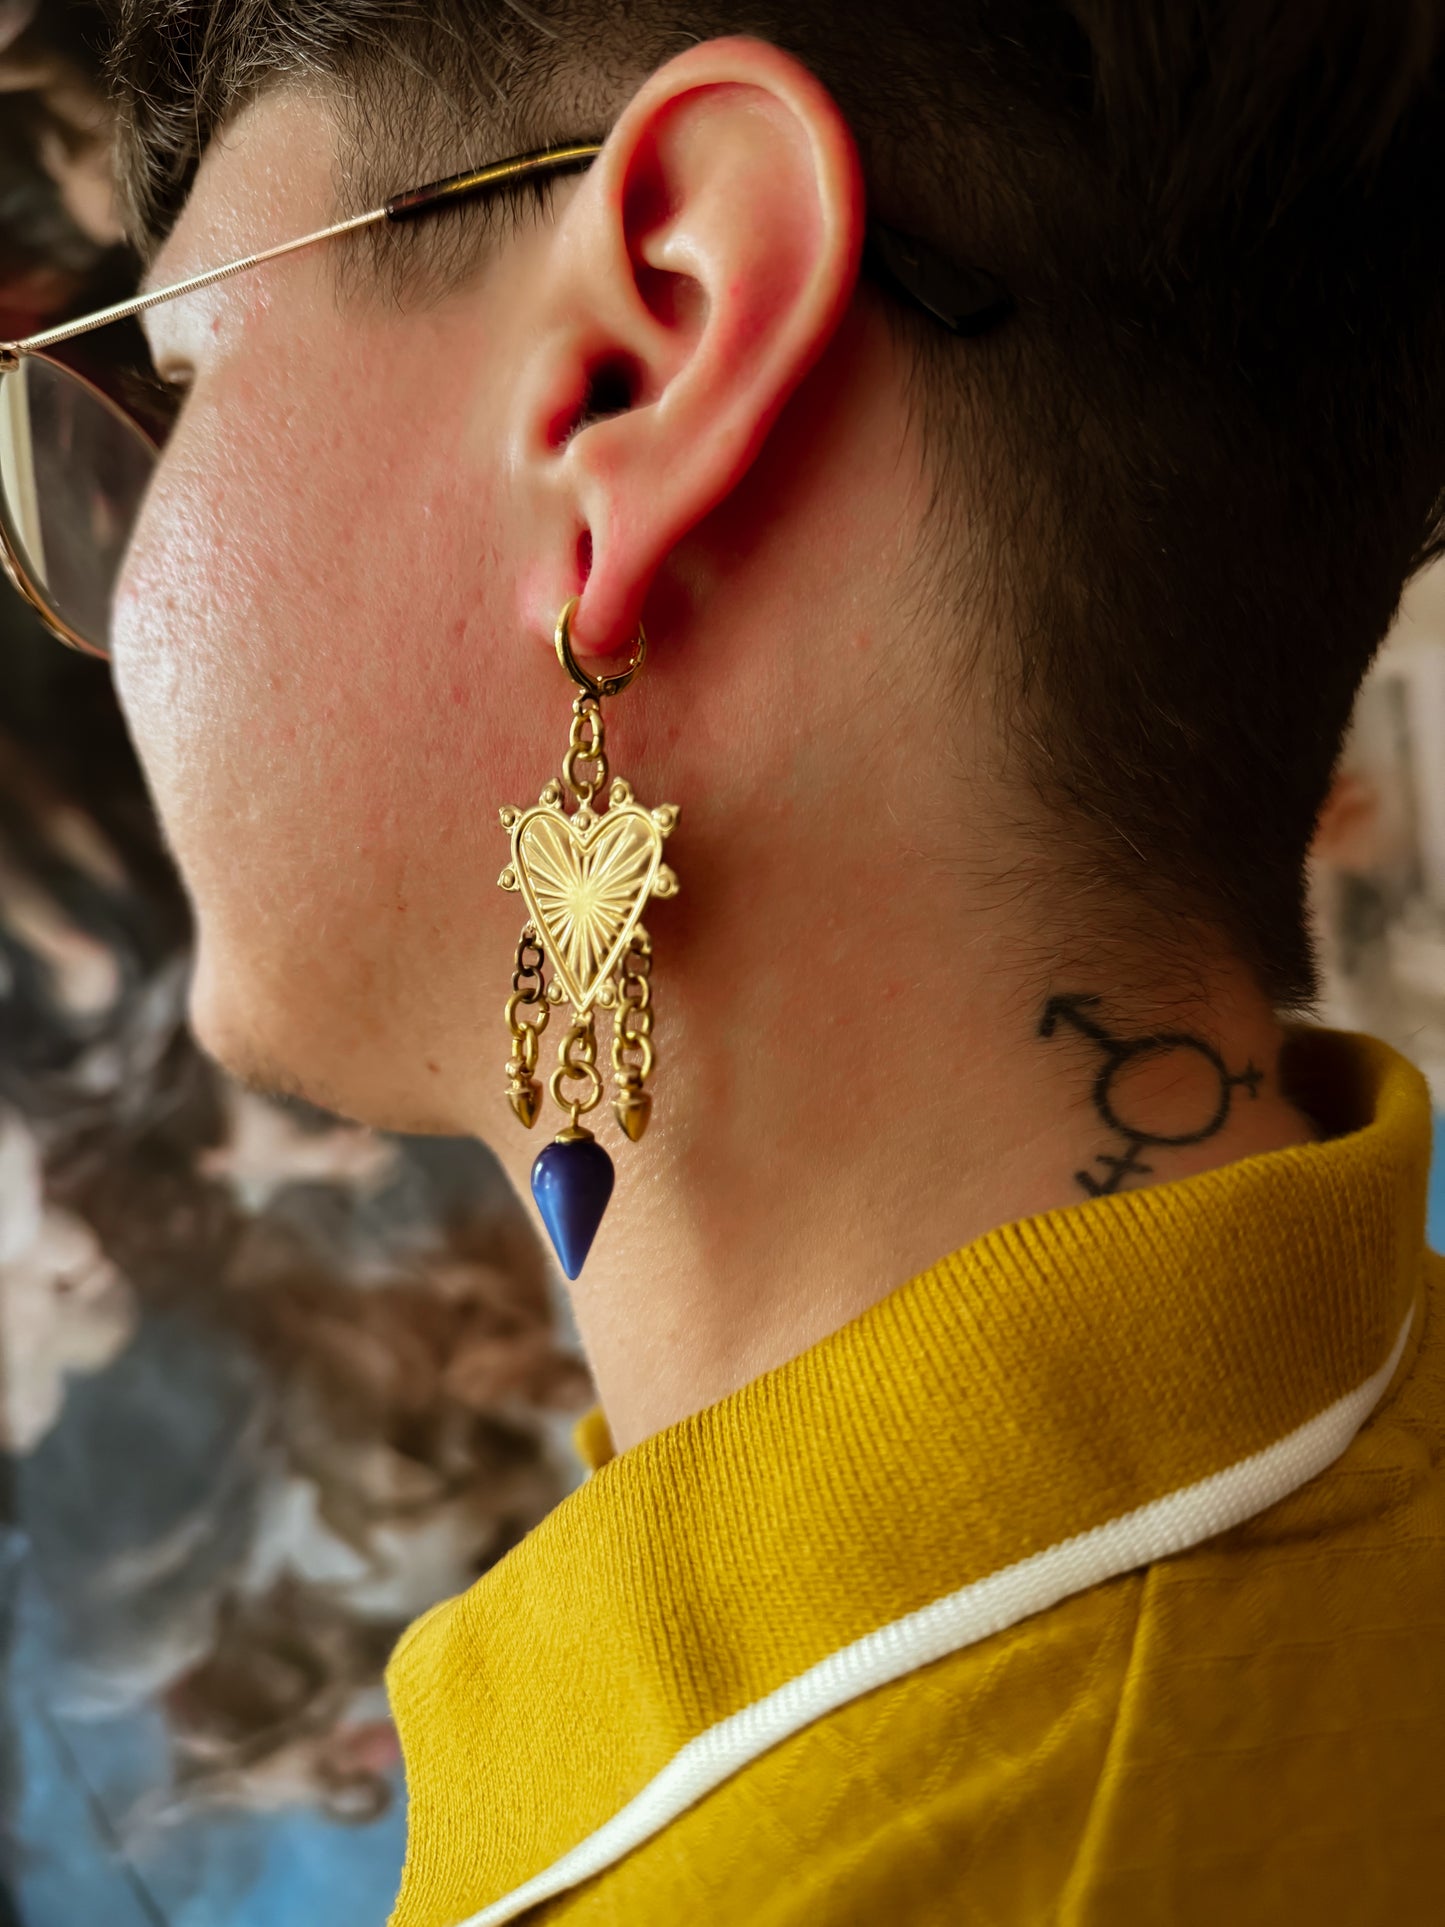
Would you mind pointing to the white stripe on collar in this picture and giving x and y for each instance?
(990, 1605)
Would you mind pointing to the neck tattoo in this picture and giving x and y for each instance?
(1121, 1058)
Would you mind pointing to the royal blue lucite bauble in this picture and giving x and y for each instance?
(572, 1181)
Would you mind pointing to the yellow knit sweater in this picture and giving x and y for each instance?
(1097, 1575)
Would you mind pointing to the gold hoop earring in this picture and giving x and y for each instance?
(585, 879)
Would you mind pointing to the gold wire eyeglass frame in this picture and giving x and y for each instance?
(408, 206)
(967, 301)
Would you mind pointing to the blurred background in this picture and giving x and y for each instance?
(271, 1385)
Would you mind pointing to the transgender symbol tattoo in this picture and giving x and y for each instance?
(1120, 1053)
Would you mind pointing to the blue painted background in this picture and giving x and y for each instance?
(1436, 1218)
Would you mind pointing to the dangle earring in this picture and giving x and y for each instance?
(585, 879)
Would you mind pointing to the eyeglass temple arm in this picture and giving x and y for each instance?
(967, 301)
(409, 206)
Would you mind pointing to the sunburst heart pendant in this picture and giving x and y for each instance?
(585, 879)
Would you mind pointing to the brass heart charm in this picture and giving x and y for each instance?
(586, 880)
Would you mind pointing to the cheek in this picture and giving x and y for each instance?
(303, 639)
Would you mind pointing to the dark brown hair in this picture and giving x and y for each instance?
(1203, 459)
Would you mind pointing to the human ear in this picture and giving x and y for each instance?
(695, 276)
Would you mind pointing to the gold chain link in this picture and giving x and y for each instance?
(528, 992)
(632, 1027)
(587, 744)
(578, 1059)
(632, 1050)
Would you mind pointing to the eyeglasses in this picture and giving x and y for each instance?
(78, 450)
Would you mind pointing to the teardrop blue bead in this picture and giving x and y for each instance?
(572, 1182)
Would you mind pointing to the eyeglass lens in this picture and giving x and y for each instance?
(74, 470)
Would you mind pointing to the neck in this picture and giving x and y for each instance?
(864, 1059)
(832, 1116)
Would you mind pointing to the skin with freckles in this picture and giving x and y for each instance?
(333, 643)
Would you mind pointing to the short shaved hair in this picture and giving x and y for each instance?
(1202, 460)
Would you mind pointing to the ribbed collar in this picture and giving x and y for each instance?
(1052, 1375)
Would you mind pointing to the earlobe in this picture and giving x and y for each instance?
(701, 269)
